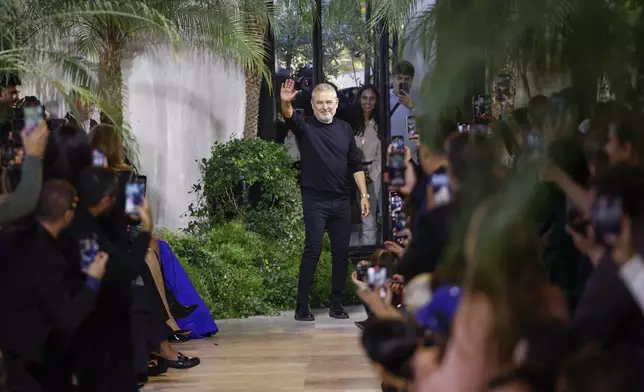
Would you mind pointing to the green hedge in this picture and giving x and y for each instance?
(244, 258)
(240, 273)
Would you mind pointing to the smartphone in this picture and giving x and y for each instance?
(88, 248)
(411, 127)
(396, 202)
(377, 277)
(98, 158)
(33, 115)
(397, 169)
(404, 87)
(400, 222)
(482, 109)
(134, 195)
(397, 144)
(440, 187)
(606, 215)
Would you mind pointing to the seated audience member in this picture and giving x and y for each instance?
(152, 322)
(107, 139)
(34, 280)
(103, 358)
(24, 199)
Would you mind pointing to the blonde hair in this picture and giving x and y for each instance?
(107, 139)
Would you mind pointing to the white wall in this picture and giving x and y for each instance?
(178, 106)
(177, 109)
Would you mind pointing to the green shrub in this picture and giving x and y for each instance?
(240, 273)
(275, 207)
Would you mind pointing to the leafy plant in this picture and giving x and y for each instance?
(240, 273)
(271, 207)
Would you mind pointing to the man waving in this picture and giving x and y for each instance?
(328, 154)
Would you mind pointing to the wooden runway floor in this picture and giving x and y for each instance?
(275, 354)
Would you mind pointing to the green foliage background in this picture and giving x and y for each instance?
(244, 258)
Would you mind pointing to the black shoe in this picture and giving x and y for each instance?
(337, 312)
(304, 314)
(178, 310)
(182, 362)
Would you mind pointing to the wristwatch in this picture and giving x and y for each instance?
(364, 196)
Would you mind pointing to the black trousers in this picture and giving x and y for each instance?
(332, 213)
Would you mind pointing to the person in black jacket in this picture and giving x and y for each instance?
(102, 349)
(32, 284)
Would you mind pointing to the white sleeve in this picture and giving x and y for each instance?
(632, 274)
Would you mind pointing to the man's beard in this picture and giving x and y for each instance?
(324, 117)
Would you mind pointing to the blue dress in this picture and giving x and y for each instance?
(200, 321)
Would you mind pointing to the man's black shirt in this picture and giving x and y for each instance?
(328, 154)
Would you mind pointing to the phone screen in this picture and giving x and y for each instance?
(98, 158)
(440, 187)
(134, 195)
(33, 115)
(88, 248)
(397, 144)
(411, 127)
(397, 169)
(482, 109)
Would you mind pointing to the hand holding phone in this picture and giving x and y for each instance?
(96, 269)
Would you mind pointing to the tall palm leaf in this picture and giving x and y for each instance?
(107, 31)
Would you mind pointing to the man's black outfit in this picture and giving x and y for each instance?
(329, 153)
(103, 358)
(37, 303)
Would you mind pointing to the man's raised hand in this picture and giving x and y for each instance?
(288, 92)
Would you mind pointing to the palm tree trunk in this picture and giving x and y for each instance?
(253, 88)
(111, 80)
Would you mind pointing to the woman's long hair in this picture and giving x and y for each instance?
(375, 114)
(107, 139)
(68, 153)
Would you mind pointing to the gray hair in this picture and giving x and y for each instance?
(324, 87)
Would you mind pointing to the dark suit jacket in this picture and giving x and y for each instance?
(35, 300)
(123, 267)
(72, 121)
